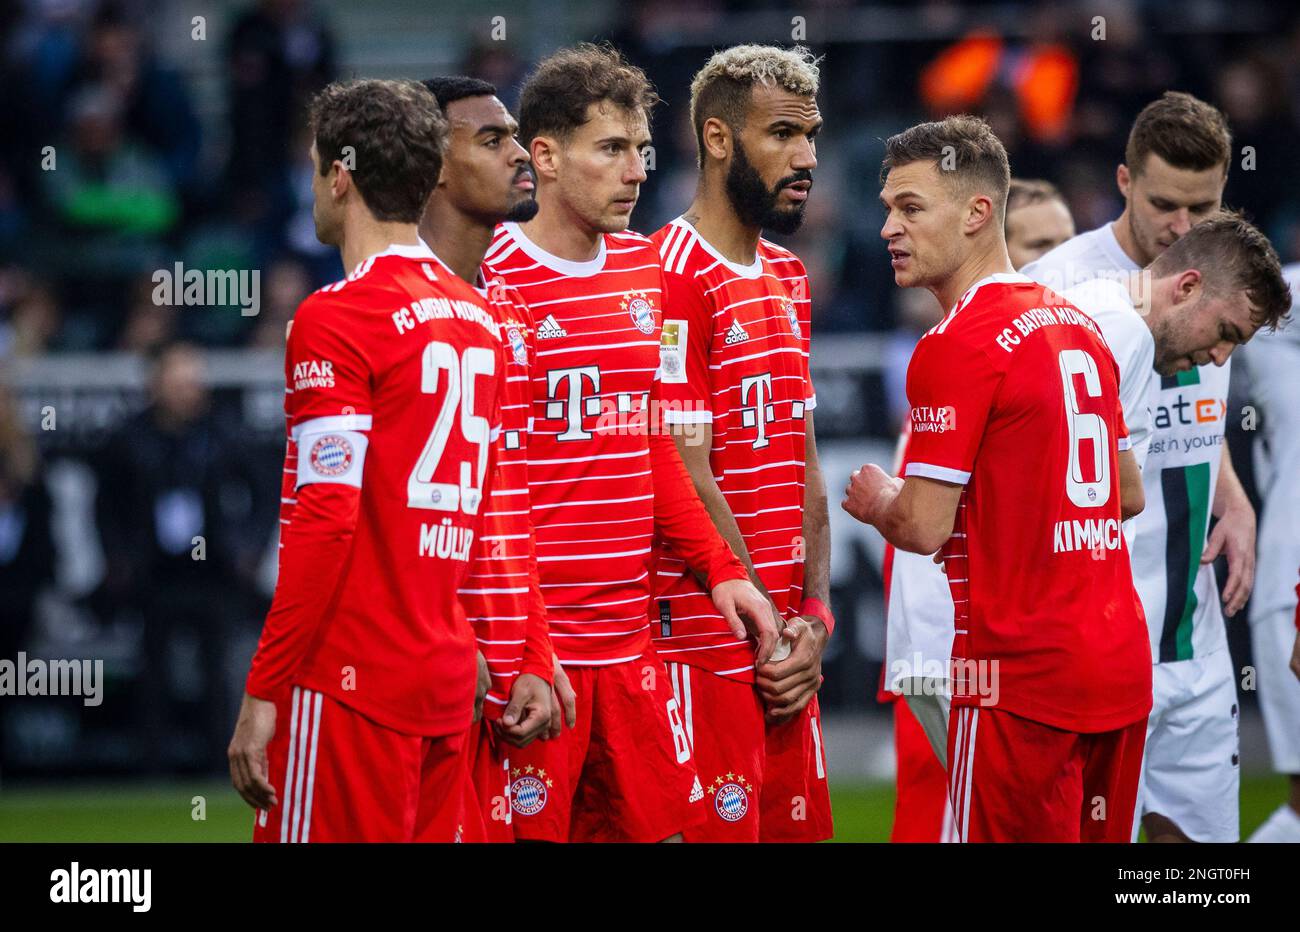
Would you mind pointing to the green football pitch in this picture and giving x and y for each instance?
(212, 812)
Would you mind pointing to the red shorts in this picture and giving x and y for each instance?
(488, 786)
(921, 810)
(623, 774)
(796, 802)
(724, 720)
(1012, 779)
(340, 776)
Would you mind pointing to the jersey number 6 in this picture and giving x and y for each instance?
(1085, 426)
(460, 371)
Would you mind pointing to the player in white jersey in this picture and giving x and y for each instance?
(1190, 784)
(1273, 363)
(1174, 171)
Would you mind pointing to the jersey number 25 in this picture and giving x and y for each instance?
(441, 361)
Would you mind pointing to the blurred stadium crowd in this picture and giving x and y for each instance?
(125, 147)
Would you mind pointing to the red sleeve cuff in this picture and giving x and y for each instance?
(728, 570)
(545, 671)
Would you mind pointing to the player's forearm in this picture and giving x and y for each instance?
(1228, 492)
(816, 527)
(683, 521)
(539, 654)
(904, 527)
(315, 548)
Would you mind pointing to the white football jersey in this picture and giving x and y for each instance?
(1272, 359)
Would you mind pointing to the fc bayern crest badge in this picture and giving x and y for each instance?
(331, 455)
(640, 310)
(793, 314)
(731, 796)
(517, 345)
(528, 790)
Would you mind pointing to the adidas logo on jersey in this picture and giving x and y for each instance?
(736, 334)
(697, 792)
(550, 328)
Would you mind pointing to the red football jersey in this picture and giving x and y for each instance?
(392, 396)
(734, 355)
(501, 595)
(593, 464)
(1015, 395)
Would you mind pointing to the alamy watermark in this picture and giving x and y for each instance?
(182, 287)
(36, 677)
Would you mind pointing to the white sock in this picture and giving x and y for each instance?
(1282, 826)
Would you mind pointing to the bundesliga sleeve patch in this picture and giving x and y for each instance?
(334, 456)
(672, 352)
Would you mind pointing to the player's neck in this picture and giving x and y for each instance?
(716, 221)
(364, 236)
(458, 240)
(1123, 230)
(560, 231)
(984, 262)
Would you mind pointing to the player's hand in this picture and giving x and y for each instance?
(481, 689)
(528, 714)
(787, 686)
(247, 752)
(564, 702)
(1295, 657)
(1234, 536)
(748, 613)
(864, 496)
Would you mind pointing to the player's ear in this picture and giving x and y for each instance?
(1187, 286)
(544, 150)
(1123, 179)
(340, 180)
(717, 139)
(979, 213)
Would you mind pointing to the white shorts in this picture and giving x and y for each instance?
(1190, 771)
(1272, 639)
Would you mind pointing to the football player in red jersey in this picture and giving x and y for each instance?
(737, 387)
(355, 720)
(1018, 468)
(604, 478)
(486, 180)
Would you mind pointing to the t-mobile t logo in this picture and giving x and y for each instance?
(569, 403)
(756, 394)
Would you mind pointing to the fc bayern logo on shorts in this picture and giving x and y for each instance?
(331, 455)
(731, 797)
(641, 311)
(528, 791)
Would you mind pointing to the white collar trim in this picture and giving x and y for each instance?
(751, 271)
(555, 263)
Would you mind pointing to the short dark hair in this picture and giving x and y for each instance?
(1186, 132)
(1026, 191)
(449, 88)
(556, 95)
(978, 158)
(1232, 255)
(397, 137)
